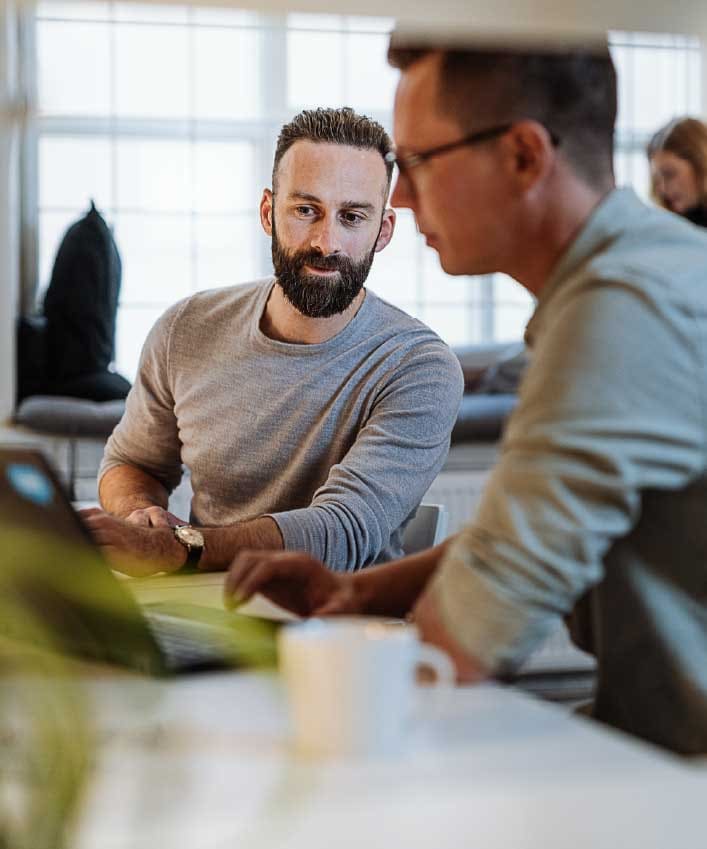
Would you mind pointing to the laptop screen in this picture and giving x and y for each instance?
(56, 574)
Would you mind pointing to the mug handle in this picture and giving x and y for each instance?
(439, 662)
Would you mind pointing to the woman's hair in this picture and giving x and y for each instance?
(686, 138)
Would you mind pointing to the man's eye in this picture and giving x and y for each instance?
(304, 210)
(352, 218)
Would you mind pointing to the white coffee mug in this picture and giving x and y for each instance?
(350, 683)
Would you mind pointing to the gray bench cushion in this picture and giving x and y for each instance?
(482, 416)
(69, 416)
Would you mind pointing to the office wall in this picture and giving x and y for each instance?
(9, 205)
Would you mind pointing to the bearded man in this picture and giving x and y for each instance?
(311, 414)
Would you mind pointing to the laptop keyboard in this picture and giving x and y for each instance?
(186, 644)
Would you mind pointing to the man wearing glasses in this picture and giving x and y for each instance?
(598, 503)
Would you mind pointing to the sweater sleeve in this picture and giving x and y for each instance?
(147, 436)
(610, 408)
(394, 459)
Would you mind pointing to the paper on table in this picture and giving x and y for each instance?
(203, 589)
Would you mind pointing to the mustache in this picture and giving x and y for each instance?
(333, 262)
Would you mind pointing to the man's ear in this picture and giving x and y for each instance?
(266, 211)
(386, 231)
(532, 153)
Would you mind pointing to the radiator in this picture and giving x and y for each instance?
(459, 492)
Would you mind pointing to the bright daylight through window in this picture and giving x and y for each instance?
(167, 117)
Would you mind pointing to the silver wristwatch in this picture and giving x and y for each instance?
(192, 540)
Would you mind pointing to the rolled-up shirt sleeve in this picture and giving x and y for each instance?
(609, 408)
(393, 461)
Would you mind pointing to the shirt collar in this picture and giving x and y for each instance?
(606, 221)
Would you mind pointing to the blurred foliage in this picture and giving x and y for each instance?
(45, 728)
(57, 600)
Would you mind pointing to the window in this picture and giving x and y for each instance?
(659, 79)
(167, 116)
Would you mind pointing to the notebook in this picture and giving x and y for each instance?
(53, 571)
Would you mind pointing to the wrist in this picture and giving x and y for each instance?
(361, 593)
(176, 553)
(191, 540)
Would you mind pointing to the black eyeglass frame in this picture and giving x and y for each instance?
(412, 160)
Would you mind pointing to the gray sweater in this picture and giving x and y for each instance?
(337, 441)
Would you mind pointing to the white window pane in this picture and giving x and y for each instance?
(73, 68)
(156, 254)
(226, 251)
(394, 271)
(510, 321)
(226, 78)
(315, 69)
(455, 326)
(632, 169)
(370, 80)
(657, 80)
(132, 326)
(153, 175)
(225, 177)
(81, 10)
(623, 59)
(322, 22)
(508, 290)
(441, 287)
(152, 71)
(72, 171)
(151, 12)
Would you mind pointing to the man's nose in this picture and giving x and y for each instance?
(325, 237)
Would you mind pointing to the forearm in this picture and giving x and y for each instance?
(222, 544)
(393, 589)
(124, 489)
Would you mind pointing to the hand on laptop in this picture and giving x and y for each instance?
(295, 581)
(155, 517)
(133, 549)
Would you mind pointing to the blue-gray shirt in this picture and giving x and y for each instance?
(600, 493)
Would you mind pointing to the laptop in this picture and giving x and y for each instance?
(57, 582)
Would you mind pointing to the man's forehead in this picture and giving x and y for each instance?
(418, 118)
(308, 155)
(328, 170)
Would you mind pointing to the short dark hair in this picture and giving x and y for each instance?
(571, 91)
(334, 126)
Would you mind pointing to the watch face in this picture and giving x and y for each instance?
(190, 536)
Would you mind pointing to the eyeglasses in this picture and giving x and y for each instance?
(412, 160)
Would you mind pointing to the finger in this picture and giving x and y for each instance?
(86, 512)
(273, 579)
(242, 565)
(175, 520)
(159, 518)
(331, 607)
(139, 517)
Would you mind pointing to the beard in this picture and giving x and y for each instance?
(311, 294)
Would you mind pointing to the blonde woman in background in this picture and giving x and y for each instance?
(678, 159)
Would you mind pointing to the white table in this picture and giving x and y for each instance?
(204, 762)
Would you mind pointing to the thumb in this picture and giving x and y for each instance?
(332, 606)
